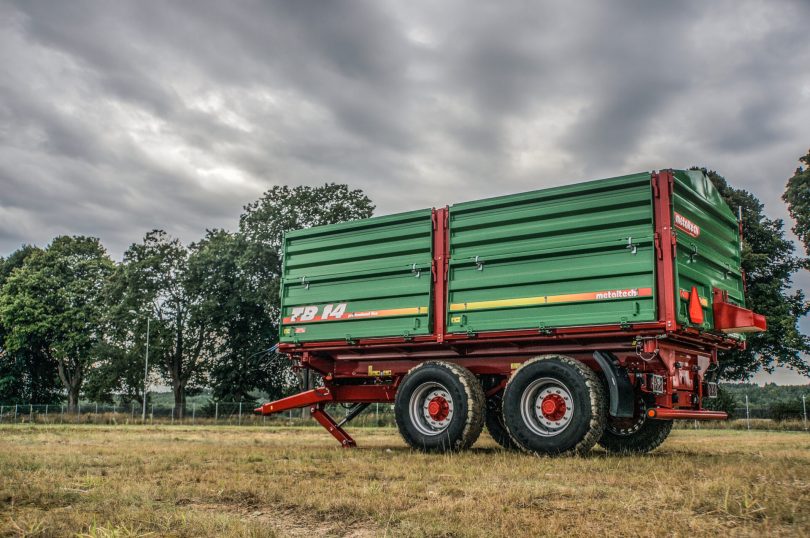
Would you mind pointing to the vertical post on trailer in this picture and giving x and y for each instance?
(747, 414)
(662, 185)
(439, 272)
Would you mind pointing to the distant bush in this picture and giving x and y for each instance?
(790, 410)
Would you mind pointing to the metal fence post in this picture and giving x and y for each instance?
(747, 414)
(1, 413)
(216, 411)
(193, 412)
(240, 413)
(30, 412)
(804, 409)
(152, 416)
(46, 413)
(16, 407)
(173, 407)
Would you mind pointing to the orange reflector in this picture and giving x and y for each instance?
(695, 309)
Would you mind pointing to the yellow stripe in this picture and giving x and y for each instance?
(547, 299)
(524, 301)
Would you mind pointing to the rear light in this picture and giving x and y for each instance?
(655, 383)
(695, 308)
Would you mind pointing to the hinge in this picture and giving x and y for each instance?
(656, 191)
(624, 324)
(658, 252)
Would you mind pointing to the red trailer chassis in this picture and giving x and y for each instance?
(662, 359)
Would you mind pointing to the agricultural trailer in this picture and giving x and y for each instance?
(558, 318)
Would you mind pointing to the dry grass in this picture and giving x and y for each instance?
(196, 481)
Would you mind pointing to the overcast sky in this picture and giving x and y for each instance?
(120, 117)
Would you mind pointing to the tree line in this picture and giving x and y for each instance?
(73, 322)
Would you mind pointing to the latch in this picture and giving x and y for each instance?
(415, 271)
(305, 282)
(633, 248)
(693, 254)
(479, 264)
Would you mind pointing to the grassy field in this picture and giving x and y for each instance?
(197, 481)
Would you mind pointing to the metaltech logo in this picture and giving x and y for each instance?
(617, 294)
(686, 225)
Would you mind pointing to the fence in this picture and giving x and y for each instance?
(241, 413)
(223, 413)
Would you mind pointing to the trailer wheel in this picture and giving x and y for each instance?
(495, 424)
(635, 435)
(554, 405)
(439, 407)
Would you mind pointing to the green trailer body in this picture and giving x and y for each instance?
(578, 255)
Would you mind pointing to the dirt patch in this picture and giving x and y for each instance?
(288, 523)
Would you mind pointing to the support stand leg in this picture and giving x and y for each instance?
(331, 426)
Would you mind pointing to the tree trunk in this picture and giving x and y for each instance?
(72, 381)
(73, 401)
(179, 401)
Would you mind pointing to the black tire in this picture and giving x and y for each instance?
(463, 415)
(635, 436)
(494, 422)
(579, 413)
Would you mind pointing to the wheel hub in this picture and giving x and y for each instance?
(553, 407)
(438, 408)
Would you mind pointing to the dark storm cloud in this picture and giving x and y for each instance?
(116, 118)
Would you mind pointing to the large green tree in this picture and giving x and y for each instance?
(769, 262)
(797, 197)
(55, 300)
(232, 302)
(152, 283)
(235, 280)
(26, 374)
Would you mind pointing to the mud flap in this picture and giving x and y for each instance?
(622, 395)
